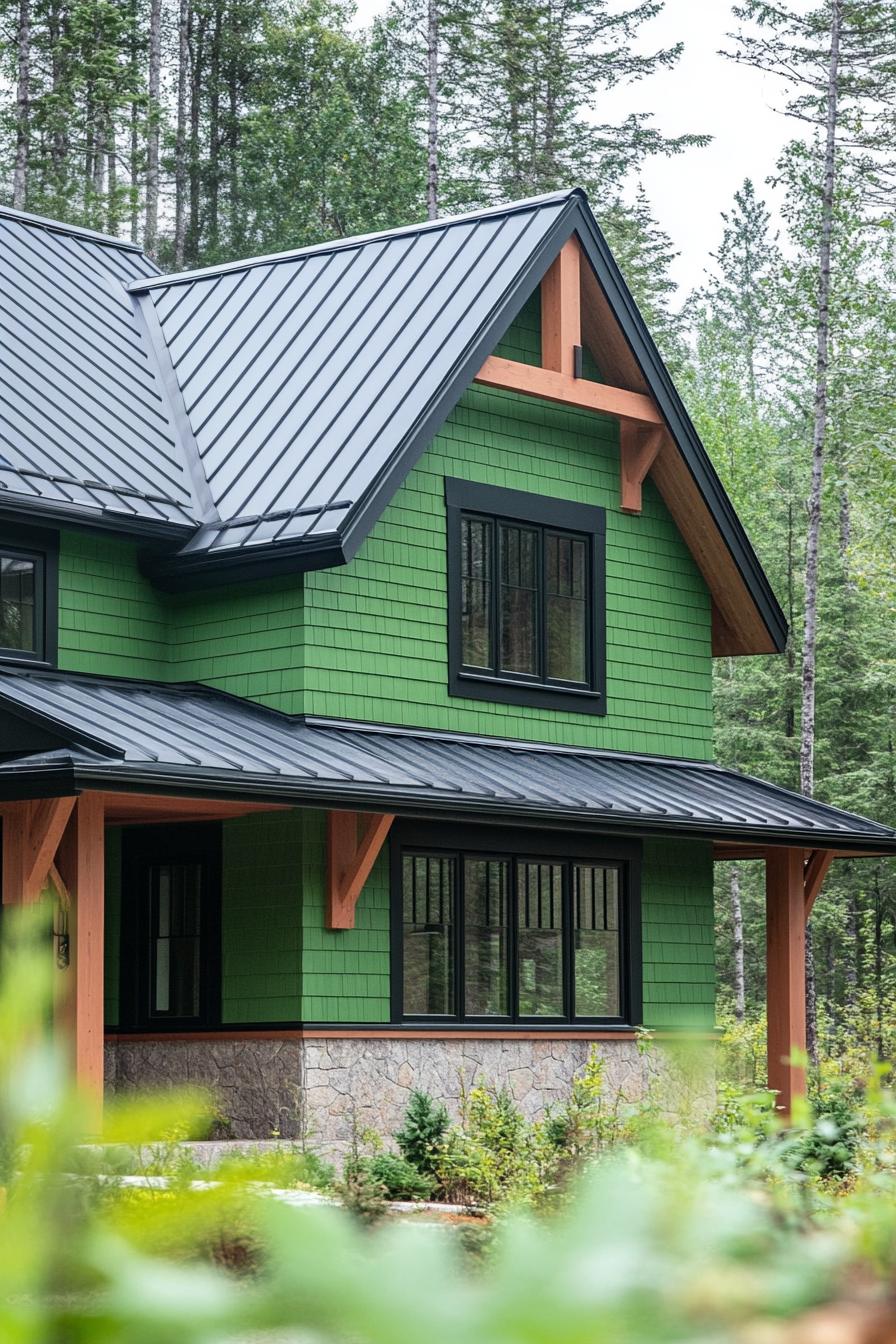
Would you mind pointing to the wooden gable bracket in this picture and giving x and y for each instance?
(559, 377)
(638, 450)
(350, 858)
(815, 871)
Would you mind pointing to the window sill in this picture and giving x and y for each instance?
(12, 658)
(470, 686)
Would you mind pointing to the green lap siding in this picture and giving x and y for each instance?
(677, 919)
(261, 918)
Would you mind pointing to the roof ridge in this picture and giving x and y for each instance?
(74, 230)
(355, 240)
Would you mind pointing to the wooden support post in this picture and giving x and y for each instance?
(81, 864)
(638, 449)
(349, 861)
(785, 915)
(16, 831)
(561, 311)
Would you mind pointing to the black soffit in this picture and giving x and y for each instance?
(93, 732)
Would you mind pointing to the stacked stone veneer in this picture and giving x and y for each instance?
(320, 1088)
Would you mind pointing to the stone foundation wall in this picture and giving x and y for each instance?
(319, 1087)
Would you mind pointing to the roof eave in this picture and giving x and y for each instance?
(225, 785)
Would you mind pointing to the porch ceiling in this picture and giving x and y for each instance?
(72, 733)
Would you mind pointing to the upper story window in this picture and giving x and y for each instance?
(27, 595)
(525, 598)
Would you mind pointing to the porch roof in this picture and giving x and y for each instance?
(62, 733)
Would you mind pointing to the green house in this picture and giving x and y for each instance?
(358, 614)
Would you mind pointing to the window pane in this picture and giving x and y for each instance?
(519, 593)
(566, 598)
(17, 590)
(597, 951)
(177, 889)
(540, 939)
(428, 886)
(476, 592)
(485, 937)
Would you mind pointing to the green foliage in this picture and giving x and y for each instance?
(493, 1156)
(399, 1178)
(726, 1236)
(422, 1132)
(593, 1119)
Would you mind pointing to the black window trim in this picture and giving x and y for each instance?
(142, 845)
(515, 844)
(501, 504)
(33, 543)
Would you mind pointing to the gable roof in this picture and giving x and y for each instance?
(73, 732)
(298, 390)
(84, 428)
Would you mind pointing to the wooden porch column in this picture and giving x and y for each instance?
(785, 923)
(81, 864)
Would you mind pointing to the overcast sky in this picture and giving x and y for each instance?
(703, 93)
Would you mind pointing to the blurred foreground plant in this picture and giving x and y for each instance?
(680, 1238)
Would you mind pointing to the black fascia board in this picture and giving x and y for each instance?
(227, 785)
(82, 517)
(207, 569)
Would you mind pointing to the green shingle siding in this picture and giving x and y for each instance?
(376, 629)
(677, 918)
(345, 975)
(111, 619)
(261, 918)
(368, 641)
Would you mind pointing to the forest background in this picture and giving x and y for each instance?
(208, 130)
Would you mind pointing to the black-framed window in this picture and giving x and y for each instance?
(501, 927)
(171, 926)
(28, 594)
(525, 598)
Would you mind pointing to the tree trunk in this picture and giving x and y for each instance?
(878, 961)
(810, 624)
(432, 107)
(23, 107)
(737, 922)
(180, 141)
(151, 229)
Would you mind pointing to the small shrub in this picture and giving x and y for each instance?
(494, 1155)
(398, 1177)
(829, 1148)
(422, 1133)
(362, 1194)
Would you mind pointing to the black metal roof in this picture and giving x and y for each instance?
(270, 408)
(84, 426)
(72, 732)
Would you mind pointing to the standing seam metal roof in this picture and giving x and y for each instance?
(192, 739)
(269, 409)
(83, 422)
